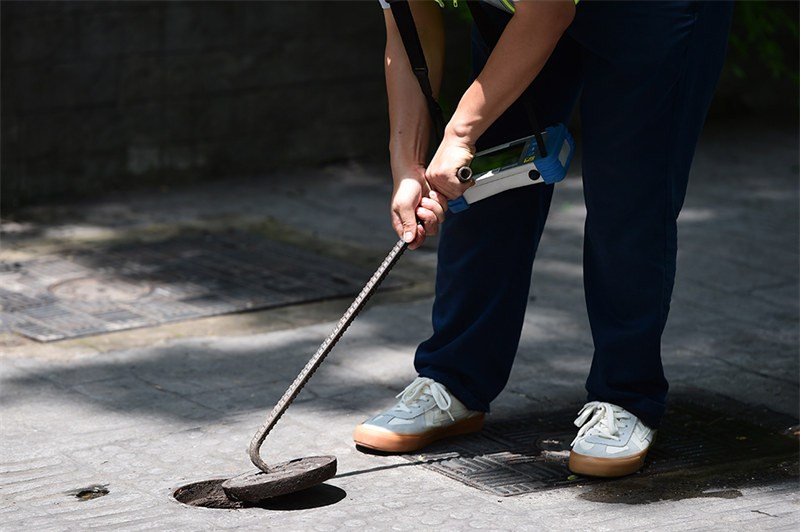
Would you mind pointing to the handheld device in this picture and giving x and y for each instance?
(516, 164)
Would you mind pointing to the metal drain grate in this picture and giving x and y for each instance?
(519, 456)
(144, 284)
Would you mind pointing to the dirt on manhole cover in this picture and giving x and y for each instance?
(100, 289)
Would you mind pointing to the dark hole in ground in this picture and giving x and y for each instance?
(91, 492)
(707, 447)
(209, 494)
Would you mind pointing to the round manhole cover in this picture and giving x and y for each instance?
(100, 289)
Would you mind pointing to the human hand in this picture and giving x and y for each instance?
(453, 153)
(416, 210)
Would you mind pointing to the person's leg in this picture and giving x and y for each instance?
(482, 285)
(486, 253)
(651, 71)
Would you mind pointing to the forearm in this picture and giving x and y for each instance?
(519, 56)
(409, 118)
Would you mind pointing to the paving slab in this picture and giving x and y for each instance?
(98, 432)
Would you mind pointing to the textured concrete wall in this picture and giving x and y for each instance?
(109, 95)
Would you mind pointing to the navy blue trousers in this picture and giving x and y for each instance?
(645, 74)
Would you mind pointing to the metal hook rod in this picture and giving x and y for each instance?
(325, 348)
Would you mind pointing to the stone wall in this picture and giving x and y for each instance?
(110, 95)
(99, 96)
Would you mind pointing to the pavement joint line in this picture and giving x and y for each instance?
(705, 347)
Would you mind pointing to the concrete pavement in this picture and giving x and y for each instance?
(140, 413)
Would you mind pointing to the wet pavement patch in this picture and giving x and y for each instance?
(209, 494)
(706, 447)
(144, 284)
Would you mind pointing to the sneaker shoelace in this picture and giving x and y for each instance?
(601, 419)
(421, 387)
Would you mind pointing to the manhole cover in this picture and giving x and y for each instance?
(144, 284)
(93, 289)
(709, 442)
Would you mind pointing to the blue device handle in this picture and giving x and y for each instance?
(550, 167)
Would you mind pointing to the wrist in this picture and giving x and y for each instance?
(402, 170)
(461, 132)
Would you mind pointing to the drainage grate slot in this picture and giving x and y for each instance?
(709, 442)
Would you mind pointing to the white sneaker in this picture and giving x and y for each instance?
(426, 412)
(611, 441)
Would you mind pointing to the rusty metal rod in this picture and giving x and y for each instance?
(325, 348)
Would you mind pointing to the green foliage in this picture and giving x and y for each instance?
(760, 72)
(764, 34)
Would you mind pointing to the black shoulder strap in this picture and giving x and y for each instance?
(408, 32)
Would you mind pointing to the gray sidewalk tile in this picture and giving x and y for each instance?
(146, 412)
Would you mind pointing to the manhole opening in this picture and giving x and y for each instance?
(207, 494)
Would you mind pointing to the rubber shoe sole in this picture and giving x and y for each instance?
(606, 467)
(394, 442)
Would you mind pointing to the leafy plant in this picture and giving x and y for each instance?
(764, 33)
